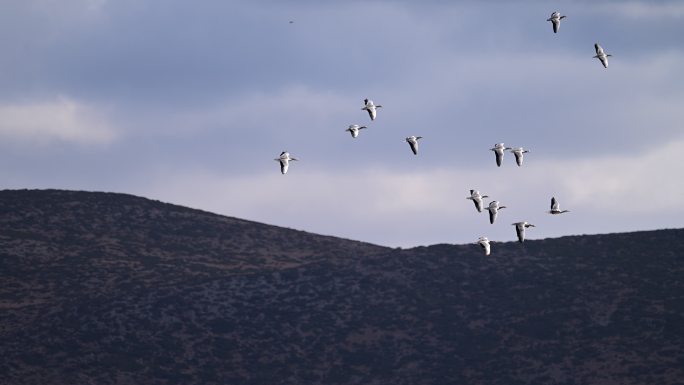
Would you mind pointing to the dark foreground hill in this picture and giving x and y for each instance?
(102, 288)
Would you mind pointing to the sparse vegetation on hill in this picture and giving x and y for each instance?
(101, 288)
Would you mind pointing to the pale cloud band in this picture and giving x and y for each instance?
(397, 208)
(62, 120)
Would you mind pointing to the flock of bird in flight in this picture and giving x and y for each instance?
(499, 150)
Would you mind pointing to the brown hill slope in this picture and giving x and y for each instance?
(102, 288)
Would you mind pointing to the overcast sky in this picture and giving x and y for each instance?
(189, 102)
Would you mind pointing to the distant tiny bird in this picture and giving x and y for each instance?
(413, 142)
(493, 210)
(602, 56)
(371, 108)
(499, 149)
(484, 243)
(555, 207)
(555, 20)
(518, 152)
(284, 161)
(520, 230)
(354, 130)
(293, 21)
(477, 199)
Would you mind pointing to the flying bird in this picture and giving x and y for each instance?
(518, 152)
(493, 210)
(555, 20)
(484, 243)
(555, 207)
(520, 230)
(602, 56)
(371, 108)
(354, 130)
(413, 142)
(499, 152)
(284, 161)
(477, 199)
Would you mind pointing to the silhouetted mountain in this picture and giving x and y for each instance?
(101, 288)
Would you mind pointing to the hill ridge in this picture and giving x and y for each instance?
(105, 194)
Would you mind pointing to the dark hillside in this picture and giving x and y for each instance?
(99, 288)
